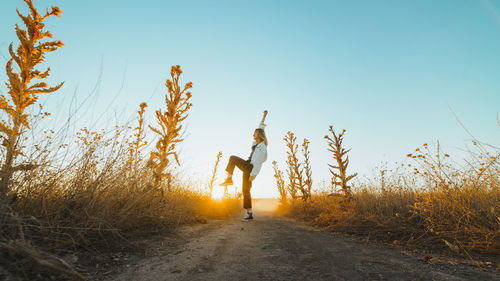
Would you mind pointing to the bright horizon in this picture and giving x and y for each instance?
(385, 71)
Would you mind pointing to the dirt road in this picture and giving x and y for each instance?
(275, 248)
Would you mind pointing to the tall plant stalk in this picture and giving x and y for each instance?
(22, 88)
(339, 171)
(280, 182)
(138, 142)
(294, 171)
(307, 169)
(213, 178)
(169, 131)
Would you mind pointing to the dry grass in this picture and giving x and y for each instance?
(93, 202)
(430, 203)
(96, 195)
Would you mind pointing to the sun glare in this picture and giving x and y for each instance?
(218, 193)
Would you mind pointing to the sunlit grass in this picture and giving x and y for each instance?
(432, 203)
(96, 190)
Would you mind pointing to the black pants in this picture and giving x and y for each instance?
(246, 167)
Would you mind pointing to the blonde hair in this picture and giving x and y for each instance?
(262, 135)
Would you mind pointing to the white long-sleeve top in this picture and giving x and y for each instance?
(259, 155)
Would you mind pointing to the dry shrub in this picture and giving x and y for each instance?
(461, 204)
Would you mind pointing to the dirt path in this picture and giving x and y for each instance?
(275, 248)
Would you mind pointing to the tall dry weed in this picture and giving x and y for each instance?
(299, 173)
(339, 171)
(280, 183)
(294, 169)
(213, 178)
(138, 141)
(169, 132)
(307, 169)
(22, 88)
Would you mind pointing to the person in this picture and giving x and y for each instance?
(250, 167)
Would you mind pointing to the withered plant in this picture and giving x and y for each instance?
(23, 88)
(339, 171)
(138, 142)
(169, 132)
(280, 183)
(296, 169)
(294, 172)
(213, 178)
(307, 169)
(460, 205)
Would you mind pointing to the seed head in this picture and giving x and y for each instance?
(56, 11)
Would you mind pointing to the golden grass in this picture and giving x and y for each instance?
(102, 194)
(94, 203)
(431, 203)
(398, 217)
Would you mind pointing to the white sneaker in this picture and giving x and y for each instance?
(248, 217)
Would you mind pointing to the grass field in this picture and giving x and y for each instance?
(431, 203)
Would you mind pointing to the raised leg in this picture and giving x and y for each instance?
(235, 161)
(246, 168)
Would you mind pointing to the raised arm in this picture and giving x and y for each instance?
(262, 125)
(264, 116)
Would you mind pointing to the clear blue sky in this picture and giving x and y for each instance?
(384, 70)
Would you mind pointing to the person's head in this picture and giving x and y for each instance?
(259, 135)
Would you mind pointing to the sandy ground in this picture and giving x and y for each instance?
(272, 247)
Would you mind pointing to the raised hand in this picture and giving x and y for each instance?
(264, 116)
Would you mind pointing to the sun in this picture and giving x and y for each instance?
(218, 193)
